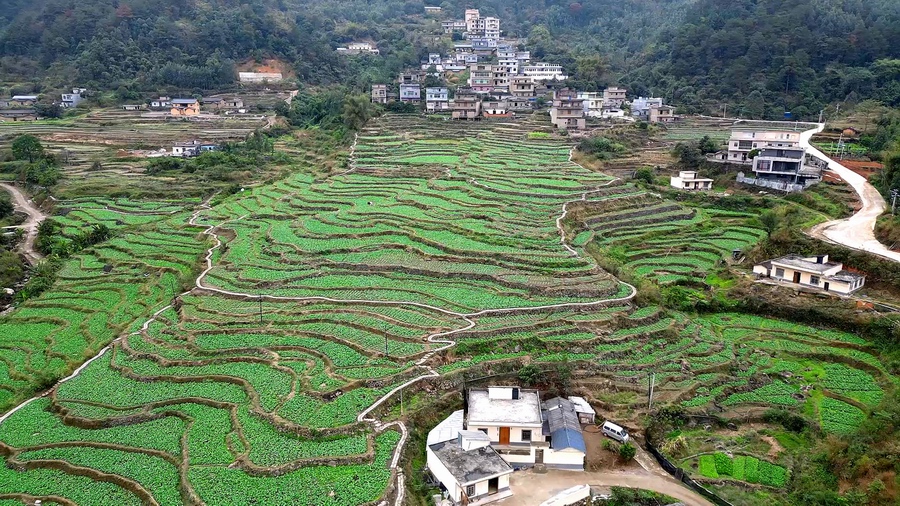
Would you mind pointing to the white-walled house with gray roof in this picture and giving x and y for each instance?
(813, 272)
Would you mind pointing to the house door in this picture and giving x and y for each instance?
(539, 456)
(493, 485)
(796, 277)
(826, 286)
(504, 435)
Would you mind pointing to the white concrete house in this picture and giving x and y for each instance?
(471, 472)
(544, 72)
(437, 99)
(743, 141)
(812, 272)
(689, 180)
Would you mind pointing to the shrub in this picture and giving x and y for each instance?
(627, 452)
(707, 466)
(723, 464)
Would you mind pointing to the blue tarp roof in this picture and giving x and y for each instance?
(567, 438)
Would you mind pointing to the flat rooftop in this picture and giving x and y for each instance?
(472, 465)
(526, 410)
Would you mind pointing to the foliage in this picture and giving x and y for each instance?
(627, 452)
(601, 147)
(27, 147)
(622, 496)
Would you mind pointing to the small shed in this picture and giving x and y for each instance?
(586, 413)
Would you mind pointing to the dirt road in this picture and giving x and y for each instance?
(35, 217)
(857, 231)
(531, 489)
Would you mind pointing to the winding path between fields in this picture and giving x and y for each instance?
(35, 217)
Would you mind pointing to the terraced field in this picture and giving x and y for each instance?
(321, 298)
(663, 240)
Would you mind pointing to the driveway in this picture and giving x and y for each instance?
(857, 231)
(531, 489)
(35, 217)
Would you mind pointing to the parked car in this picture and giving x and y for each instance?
(614, 431)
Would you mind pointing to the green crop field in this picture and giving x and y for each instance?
(240, 350)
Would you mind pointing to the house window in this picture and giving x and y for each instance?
(814, 280)
(779, 272)
(526, 435)
(483, 430)
(470, 490)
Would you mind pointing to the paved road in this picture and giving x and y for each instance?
(531, 489)
(857, 231)
(35, 217)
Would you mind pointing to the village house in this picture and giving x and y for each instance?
(437, 100)
(410, 93)
(260, 77)
(593, 103)
(432, 10)
(688, 180)
(465, 105)
(18, 115)
(22, 101)
(640, 107)
(133, 107)
(161, 103)
(743, 141)
(481, 77)
(233, 103)
(470, 471)
(519, 104)
(566, 439)
(567, 111)
(212, 103)
(411, 77)
(521, 86)
(614, 97)
(544, 72)
(355, 48)
(192, 148)
(586, 413)
(184, 107)
(813, 272)
(379, 93)
(495, 109)
(662, 114)
(70, 100)
(456, 26)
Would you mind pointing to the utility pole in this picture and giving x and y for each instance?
(821, 112)
(385, 345)
(894, 194)
(725, 111)
(260, 309)
(650, 393)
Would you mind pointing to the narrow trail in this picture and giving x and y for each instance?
(35, 217)
(441, 338)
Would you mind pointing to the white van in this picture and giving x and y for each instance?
(614, 431)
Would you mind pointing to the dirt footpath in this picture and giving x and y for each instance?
(531, 489)
(35, 217)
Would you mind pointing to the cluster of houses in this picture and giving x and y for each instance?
(775, 158)
(474, 451)
(493, 93)
(18, 108)
(187, 107)
(187, 149)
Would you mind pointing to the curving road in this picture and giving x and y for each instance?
(35, 217)
(858, 231)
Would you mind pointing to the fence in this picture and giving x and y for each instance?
(681, 476)
(768, 183)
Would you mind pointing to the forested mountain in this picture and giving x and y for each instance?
(761, 57)
(767, 56)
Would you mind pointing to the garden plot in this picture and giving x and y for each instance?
(662, 240)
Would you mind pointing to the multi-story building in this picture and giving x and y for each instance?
(410, 93)
(499, 79)
(593, 103)
(379, 93)
(70, 100)
(567, 111)
(465, 105)
(481, 77)
(437, 99)
(521, 86)
(544, 72)
(662, 114)
(614, 97)
(185, 107)
(411, 77)
(640, 107)
(456, 26)
(743, 141)
(359, 48)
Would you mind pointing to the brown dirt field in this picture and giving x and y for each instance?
(268, 65)
(597, 458)
(864, 168)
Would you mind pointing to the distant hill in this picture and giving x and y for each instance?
(761, 57)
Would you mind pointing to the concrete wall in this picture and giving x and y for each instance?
(565, 459)
(515, 433)
(440, 472)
